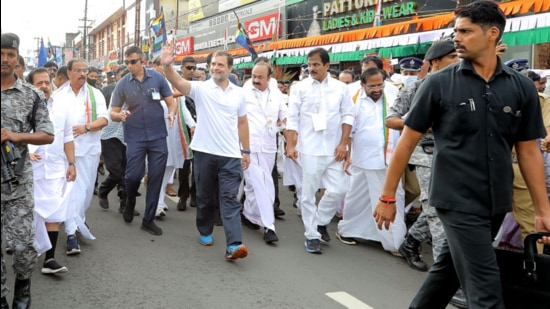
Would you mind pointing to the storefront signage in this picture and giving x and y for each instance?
(262, 28)
(185, 46)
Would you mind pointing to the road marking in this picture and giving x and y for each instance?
(347, 300)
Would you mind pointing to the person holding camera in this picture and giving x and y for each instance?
(24, 120)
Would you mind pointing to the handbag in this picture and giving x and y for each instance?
(525, 275)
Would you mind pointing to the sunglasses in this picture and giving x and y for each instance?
(190, 67)
(133, 61)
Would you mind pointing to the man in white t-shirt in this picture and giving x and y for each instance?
(220, 146)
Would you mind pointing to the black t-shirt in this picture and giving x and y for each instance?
(475, 124)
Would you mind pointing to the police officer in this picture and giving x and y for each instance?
(519, 65)
(410, 68)
(23, 111)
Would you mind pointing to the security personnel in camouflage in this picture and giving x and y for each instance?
(23, 111)
(427, 227)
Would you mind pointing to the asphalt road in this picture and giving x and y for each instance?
(126, 267)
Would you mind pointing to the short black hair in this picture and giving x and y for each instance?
(30, 77)
(323, 54)
(188, 59)
(50, 64)
(371, 72)
(532, 75)
(375, 59)
(93, 69)
(21, 61)
(485, 13)
(62, 72)
(133, 50)
(261, 59)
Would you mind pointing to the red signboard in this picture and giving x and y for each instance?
(185, 46)
(263, 28)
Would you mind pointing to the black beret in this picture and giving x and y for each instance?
(10, 40)
(440, 49)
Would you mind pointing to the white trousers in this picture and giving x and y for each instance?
(292, 176)
(83, 191)
(168, 175)
(360, 202)
(336, 183)
(260, 190)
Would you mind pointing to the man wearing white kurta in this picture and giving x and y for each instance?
(321, 113)
(89, 113)
(370, 153)
(53, 167)
(264, 107)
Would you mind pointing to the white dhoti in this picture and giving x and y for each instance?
(83, 191)
(168, 174)
(336, 183)
(259, 190)
(360, 201)
(51, 199)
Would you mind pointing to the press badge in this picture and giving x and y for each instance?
(319, 121)
(155, 94)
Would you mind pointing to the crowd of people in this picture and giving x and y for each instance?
(474, 134)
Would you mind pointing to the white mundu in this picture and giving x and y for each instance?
(264, 110)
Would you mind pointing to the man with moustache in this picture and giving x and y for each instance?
(89, 116)
(53, 166)
(140, 94)
(321, 111)
(265, 106)
(472, 174)
(220, 145)
(24, 120)
(371, 146)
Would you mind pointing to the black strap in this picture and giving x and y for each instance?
(37, 101)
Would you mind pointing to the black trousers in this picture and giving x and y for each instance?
(114, 158)
(467, 259)
(185, 190)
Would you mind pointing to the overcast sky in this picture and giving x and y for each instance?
(50, 18)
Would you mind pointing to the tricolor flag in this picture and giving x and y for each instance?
(377, 21)
(242, 39)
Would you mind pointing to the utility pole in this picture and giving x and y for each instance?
(137, 33)
(85, 31)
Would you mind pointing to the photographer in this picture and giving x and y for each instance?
(23, 111)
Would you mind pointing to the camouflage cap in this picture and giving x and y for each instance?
(10, 40)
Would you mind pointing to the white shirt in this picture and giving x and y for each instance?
(53, 164)
(217, 118)
(367, 148)
(263, 109)
(89, 143)
(329, 100)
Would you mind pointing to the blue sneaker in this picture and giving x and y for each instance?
(206, 240)
(313, 246)
(234, 252)
(72, 245)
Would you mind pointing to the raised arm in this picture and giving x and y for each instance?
(167, 60)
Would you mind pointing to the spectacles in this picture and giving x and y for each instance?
(133, 61)
(190, 67)
(79, 71)
(373, 87)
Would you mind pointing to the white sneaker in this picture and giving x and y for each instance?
(160, 213)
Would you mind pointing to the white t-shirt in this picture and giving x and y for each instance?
(218, 111)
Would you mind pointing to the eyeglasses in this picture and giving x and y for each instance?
(132, 61)
(190, 67)
(79, 71)
(374, 87)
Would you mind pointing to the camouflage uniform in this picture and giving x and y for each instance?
(427, 227)
(18, 200)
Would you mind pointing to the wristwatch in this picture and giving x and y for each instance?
(88, 127)
(71, 164)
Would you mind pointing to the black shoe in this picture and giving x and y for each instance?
(322, 229)
(182, 204)
(22, 294)
(128, 213)
(95, 191)
(121, 210)
(270, 236)
(151, 227)
(249, 224)
(459, 300)
(138, 194)
(52, 267)
(103, 202)
(346, 240)
(193, 201)
(278, 212)
(101, 169)
(409, 250)
(5, 304)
